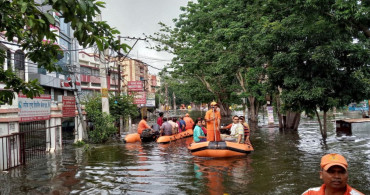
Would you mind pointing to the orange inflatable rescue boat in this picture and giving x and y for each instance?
(220, 149)
(169, 138)
(131, 138)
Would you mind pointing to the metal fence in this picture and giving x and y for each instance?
(12, 151)
(37, 138)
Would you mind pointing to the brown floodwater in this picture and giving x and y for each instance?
(283, 162)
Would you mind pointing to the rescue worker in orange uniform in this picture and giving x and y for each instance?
(188, 121)
(143, 125)
(335, 176)
(213, 118)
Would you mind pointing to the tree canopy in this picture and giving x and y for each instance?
(315, 52)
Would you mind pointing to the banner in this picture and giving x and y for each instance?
(135, 86)
(139, 97)
(270, 114)
(69, 106)
(150, 100)
(35, 109)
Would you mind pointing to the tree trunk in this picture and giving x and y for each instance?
(280, 116)
(325, 125)
(224, 109)
(253, 109)
(322, 130)
(292, 120)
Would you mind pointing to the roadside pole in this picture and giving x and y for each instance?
(174, 102)
(76, 92)
(104, 85)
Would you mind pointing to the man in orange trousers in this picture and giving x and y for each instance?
(213, 118)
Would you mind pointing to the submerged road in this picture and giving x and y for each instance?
(282, 163)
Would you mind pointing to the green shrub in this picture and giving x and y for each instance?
(102, 127)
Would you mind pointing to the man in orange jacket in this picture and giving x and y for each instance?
(188, 121)
(335, 176)
(143, 125)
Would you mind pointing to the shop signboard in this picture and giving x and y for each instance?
(35, 109)
(69, 106)
(135, 86)
(139, 97)
(150, 100)
(270, 114)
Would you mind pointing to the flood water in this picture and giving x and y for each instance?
(282, 163)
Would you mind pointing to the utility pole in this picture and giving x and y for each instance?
(76, 92)
(166, 100)
(119, 69)
(119, 86)
(174, 102)
(103, 75)
(120, 75)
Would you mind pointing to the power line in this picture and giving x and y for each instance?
(15, 44)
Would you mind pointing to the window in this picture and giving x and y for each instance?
(19, 63)
(19, 60)
(95, 72)
(85, 71)
(9, 58)
(64, 27)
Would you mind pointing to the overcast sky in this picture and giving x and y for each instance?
(135, 17)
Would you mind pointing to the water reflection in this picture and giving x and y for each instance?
(216, 174)
(284, 162)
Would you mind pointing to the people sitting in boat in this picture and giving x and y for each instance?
(143, 125)
(236, 131)
(198, 135)
(188, 121)
(156, 127)
(213, 118)
(204, 124)
(181, 124)
(246, 128)
(175, 127)
(166, 128)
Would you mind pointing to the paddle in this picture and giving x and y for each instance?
(214, 122)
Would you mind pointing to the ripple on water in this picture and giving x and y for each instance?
(283, 162)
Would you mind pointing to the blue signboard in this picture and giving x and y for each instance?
(361, 106)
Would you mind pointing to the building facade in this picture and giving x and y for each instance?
(94, 70)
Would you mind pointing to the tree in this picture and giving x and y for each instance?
(329, 66)
(122, 106)
(102, 125)
(29, 22)
(212, 45)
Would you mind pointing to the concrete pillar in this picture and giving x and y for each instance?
(9, 124)
(54, 133)
(79, 135)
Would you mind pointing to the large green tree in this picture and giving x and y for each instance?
(213, 45)
(318, 57)
(28, 22)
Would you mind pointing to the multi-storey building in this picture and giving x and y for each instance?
(135, 70)
(152, 83)
(54, 83)
(94, 70)
(26, 114)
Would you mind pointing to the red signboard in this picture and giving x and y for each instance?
(139, 97)
(135, 86)
(69, 106)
